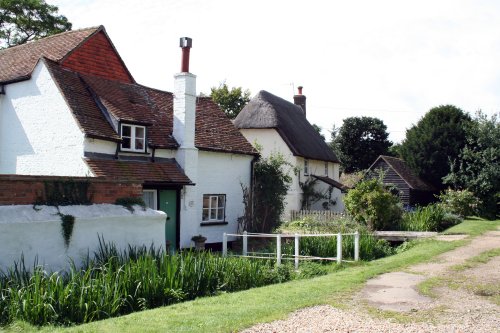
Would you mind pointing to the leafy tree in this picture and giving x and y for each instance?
(265, 201)
(477, 166)
(359, 142)
(437, 138)
(25, 20)
(371, 204)
(460, 202)
(231, 101)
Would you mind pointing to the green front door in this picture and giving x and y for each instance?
(168, 204)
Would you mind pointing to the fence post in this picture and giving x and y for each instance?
(356, 246)
(278, 249)
(339, 248)
(245, 243)
(224, 245)
(296, 251)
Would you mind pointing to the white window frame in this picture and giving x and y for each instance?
(306, 167)
(133, 130)
(326, 169)
(216, 208)
(155, 198)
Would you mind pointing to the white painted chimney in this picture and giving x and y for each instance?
(185, 100)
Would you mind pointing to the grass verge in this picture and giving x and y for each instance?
(236, 311)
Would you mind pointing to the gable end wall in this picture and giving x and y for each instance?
(98, 57)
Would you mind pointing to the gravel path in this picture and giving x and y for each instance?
(456, 310)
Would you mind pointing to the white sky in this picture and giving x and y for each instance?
(388, 59)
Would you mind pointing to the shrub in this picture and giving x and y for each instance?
(459, 202)
(371, 204)
(428, 218)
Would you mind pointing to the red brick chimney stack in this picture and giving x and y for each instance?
(185, 43)
(300, 99)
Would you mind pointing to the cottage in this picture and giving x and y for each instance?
(70, 107)
(411, 189)
(279, 126)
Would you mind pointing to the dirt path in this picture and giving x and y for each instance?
(458, 303)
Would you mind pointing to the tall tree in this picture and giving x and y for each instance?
(436, 139)
(25, 20)
(231, 101)
(359, 142)
(477, 167)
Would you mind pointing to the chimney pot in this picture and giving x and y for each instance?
(300, 89)
(185, 43)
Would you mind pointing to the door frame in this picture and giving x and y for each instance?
(177, 190)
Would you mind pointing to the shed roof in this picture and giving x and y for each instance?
(266, 110)
(403, 170)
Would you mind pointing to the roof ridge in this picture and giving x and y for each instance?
(50, 37)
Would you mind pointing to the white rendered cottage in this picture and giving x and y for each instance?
(279, 126)
(70, 107)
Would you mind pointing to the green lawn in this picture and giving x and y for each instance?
(235, 311)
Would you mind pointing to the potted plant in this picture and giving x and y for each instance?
(199, 242)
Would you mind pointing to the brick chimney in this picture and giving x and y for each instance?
(185, 113)
(300, 99)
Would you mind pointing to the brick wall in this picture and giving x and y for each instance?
(25, 190)
(98, 57)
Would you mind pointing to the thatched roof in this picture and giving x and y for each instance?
(266, 110)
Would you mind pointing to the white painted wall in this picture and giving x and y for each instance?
(271, 142)
(32, 233)
(218, 173)
(99, 146)
(38, 133)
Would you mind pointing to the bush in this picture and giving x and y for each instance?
(459, 202)
(371, 204)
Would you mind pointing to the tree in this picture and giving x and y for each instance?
(477, 166)
(359, 142)
(25, 20)
(437, 138)
(371, 204)
(231, 101)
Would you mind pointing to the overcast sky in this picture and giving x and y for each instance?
(388, 59)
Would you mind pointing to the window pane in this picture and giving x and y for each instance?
(220, 214)
(221, 201)
(139, 132)
(139, 144)
(204, 216)
(213, 214)
(149, 199)
(206, 201)
(126, 131)
(126, 143)
(213, 202)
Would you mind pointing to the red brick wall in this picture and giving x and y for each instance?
(97, 57)
(25, 190)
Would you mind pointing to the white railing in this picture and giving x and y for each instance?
(317, 215)
(296, 257)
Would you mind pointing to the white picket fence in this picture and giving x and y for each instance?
(296, 257)
(317, 215)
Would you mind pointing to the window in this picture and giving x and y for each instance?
(149, 197)
(133, 138)
(306, 167)
(326, 169)
(214, 206)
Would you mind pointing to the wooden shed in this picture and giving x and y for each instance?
(412, 190)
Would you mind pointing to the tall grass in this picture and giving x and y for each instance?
(114, 283)
(429, 218)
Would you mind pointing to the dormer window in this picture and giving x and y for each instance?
(133, 138)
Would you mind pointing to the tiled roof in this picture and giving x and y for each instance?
(214, 130)
(404, 171)
(17, 63)
(266, 110)
(167, 172)
(332, 182)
